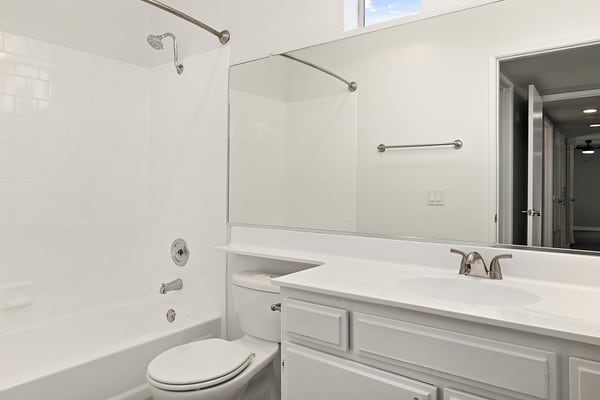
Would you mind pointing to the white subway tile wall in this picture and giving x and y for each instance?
(77, 201)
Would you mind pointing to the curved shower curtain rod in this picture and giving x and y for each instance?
(223, 36)
(352, 86)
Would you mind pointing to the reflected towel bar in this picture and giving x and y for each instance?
(457, 144)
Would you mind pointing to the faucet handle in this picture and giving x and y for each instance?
(495, 269)
(464, 268)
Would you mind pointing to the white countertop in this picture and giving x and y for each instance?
(563, 310)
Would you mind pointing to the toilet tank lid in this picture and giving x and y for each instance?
(255, 280)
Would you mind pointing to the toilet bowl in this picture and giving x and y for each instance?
(217, 369)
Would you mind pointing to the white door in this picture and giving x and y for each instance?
(535, 168)
(310, 374)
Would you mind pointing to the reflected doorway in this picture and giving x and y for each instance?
(549, 149)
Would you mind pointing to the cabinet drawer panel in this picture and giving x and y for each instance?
(450, 394)
(584, 379)
(495, 363)
(327, 326)
(310, 374)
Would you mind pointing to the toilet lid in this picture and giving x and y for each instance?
(198, 362)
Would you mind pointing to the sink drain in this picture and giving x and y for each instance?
(171, 315)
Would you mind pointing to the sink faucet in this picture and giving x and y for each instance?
(495, 269)
(177, 284)
(474, 258)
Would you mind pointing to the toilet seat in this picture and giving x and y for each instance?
(198, 365)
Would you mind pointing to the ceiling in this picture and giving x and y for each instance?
(113, 28)
(571, 70)
(572, 122)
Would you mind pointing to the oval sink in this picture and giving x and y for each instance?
(465, 290)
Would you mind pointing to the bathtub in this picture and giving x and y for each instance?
(99, 355)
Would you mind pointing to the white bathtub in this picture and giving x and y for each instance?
(94, 356)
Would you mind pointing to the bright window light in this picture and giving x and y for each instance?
(378, 11)
(366, 13)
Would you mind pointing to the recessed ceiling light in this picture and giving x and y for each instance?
(590, 111)
(594, 125)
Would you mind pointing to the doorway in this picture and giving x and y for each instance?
(549, 149)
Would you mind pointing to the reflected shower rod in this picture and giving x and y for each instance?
(352, 86)
(223, 36)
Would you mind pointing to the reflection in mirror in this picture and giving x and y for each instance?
(549, 149)
(304, 149)
(293, 146)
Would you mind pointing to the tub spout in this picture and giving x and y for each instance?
(177, 284)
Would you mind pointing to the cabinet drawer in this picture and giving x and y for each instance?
(520, 369)
(310, 374)
(584, 379)
(323, 325)
(451, 394)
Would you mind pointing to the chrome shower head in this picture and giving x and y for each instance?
(155, 41)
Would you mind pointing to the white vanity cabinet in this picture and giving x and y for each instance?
(315, 375)
(450, 394)
(584, 379)
(333, 350)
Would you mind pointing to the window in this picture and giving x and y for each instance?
(378, 11)
(366, 13)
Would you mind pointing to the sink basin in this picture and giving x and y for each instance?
(475, 291)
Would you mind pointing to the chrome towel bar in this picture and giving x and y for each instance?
(457, 144)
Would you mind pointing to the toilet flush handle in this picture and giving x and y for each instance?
(276, 307)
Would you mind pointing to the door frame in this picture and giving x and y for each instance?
(506, 157)
(496, 57)
(548, 184)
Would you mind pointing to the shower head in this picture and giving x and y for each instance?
(155, 41)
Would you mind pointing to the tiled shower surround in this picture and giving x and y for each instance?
(89, 206)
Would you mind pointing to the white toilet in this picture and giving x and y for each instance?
(216, 369)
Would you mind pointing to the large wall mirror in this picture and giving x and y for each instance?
(499, 114)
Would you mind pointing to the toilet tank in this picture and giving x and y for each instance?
(253, 295)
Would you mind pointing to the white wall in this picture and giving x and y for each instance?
(586, 212)
(293, 147)
(188, 179)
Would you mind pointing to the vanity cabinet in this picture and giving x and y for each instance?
(315, 375)
(335, 350)
(450, 394)
(584, 379)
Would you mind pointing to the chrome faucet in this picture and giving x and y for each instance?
(177, 284)
(495, 269)
(475, 259)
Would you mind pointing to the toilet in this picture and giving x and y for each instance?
(217, 369)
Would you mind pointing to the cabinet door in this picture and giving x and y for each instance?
(450, 394)
(584, 379)
(310, 374)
